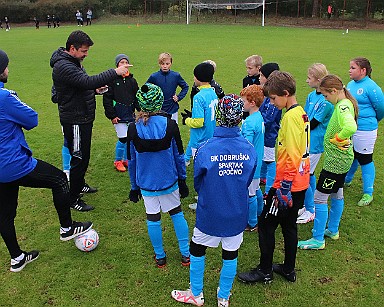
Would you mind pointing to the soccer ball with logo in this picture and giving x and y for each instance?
(87, 241)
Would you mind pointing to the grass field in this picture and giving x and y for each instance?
(121, 271)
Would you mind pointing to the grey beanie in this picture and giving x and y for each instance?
(3, 61)
(119, 57)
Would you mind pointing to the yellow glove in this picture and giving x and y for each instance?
(342, 144)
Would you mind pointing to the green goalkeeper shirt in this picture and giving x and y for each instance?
(343, 123)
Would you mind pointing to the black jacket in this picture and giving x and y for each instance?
(120, 99)
(75, 90)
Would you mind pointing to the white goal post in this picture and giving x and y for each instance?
(238, 5)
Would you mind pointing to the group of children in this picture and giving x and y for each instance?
(230, 162)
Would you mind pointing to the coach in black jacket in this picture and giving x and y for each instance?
(75, 95)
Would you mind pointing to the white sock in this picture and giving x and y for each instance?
(65, 228)
(21, 257)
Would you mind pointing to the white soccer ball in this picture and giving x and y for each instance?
(87, 241)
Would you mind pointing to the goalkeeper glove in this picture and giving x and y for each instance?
(186, 115)
(284, 194)
(134, 195)
(183, 188)
(341, 144)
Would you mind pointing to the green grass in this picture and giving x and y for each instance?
(121, 272)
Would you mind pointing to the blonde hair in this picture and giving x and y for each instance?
(331, 82)
(164, 56)
(253, 93)
(213, 63)
(255, 60)
(144, 116)
(318, 71)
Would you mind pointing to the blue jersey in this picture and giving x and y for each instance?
(204, 106)
(253, 131)
(223, 170)
(272, 117)
(370, 100)
(317, 107)
(16, 159)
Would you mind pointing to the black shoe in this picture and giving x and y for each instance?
(279, 269)
(88, 189)
(185, 260)
(80, 205)
(160, 262)
(17, 266)
(76, 229)
(255, 275)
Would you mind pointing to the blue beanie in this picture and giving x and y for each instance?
(4, 60)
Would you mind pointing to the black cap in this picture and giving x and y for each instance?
(3, 61)
(269, 68)
(204, 72)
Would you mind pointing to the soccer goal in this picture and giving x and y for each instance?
(224, 5)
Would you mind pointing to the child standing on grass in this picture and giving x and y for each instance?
(272, 117)
(157, 170)
(253, 64)
(169, 80)
(119, 104)
(223, 169)
(370, 99)
(202, 119)
(338, 158)
(253, 130)
(319, 112)
(286, 195)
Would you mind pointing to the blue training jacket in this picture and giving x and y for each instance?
(370, 100)
(156, 156)
(272, 117)
(223, 169)
(168, 82)
(16, 159)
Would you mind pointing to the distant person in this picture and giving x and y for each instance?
(75, 96)
(49, 21)
(338, 157)
(37, 23)
(58, 21)
(222, 213)
(79, 18)
(89, 17)
(54, 21)
(253, 64)
(370, 99)
(20, 169)
(286, 196)
(169, 81)
(1, 24)
(7, 25)
(120, 103)
(329, 10)
(157, 171)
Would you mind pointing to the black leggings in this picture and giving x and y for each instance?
(44, 175)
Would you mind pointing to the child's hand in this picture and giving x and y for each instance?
(115, 120)
(341, 144)
(175, 98)
(186, 115)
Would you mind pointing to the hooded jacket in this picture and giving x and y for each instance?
(75, 90)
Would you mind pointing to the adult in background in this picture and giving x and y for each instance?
(79, 18)
(19, 168)
(370, 100)
(89, 17)
(75, 95)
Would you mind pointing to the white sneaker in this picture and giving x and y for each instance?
(193, 206)
(305, 218)
(222, 302)
(301, 211)
(187, 297)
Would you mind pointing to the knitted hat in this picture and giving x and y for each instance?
(3, 61)
(119, 57)
(150, 97)
(268, 68)
(229, 111)
(204, 72)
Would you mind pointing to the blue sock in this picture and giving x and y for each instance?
(119, 151)
(182, 233)
(260, 201)
(321, 218)
(263, 171)
(156, 237)
(66, 157)
(309, 194)
(188, 153)
(352, 171)
(196, 274)
(271, 173)
(368, 174)
(227, 275)
(337, 207)
(252, 213)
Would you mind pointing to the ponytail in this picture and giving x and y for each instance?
(353, 100)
